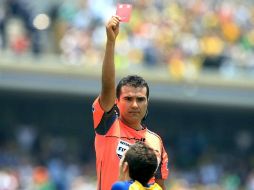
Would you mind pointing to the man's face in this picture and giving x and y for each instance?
(132, 104)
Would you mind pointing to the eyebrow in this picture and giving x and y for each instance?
(129, 96)
(141, 98)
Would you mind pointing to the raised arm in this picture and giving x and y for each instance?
(108, 94)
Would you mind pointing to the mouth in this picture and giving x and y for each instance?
(134, 112)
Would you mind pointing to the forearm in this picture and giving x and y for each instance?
(108, 68)
(161, 183)
(107, 98)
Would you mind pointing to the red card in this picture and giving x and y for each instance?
(124, 12)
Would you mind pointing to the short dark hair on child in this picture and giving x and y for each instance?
(142, 162)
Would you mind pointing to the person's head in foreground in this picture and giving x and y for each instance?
(138, 166)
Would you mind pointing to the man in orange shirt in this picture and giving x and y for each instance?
(118, 115)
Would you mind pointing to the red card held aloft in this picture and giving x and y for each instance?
(124, 12)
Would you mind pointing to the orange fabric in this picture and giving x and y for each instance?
(110, 146)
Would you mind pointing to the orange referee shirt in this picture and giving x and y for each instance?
(113, 138)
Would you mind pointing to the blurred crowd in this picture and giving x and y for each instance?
(43, 162)
(35, 161)
(185, 36)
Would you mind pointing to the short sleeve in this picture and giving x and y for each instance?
(162, 171)
(103, 121)
(97, 112)
(120, 185)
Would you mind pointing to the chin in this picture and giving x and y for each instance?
(138, 121)
(133, 120)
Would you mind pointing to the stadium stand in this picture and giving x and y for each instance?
(197, 56)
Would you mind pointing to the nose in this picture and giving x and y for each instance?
(134, 104)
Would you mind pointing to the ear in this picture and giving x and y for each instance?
(125, 167)
(144, 118)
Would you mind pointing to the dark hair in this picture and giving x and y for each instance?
(142, 162)
(134, 81)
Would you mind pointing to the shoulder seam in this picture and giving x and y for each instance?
(155, 134)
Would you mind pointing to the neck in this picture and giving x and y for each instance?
(137, 126)
(127, 177)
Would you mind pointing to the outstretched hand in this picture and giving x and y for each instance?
(112, 28)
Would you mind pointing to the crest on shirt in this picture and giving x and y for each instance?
(121, 148)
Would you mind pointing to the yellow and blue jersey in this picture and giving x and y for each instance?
(134, 185)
